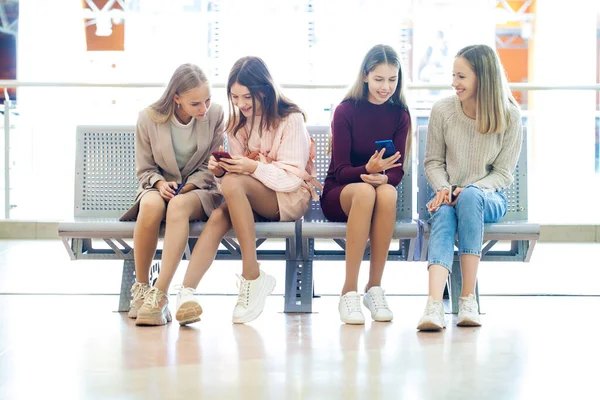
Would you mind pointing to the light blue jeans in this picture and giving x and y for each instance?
(473, 208)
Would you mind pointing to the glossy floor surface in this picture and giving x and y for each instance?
(74, 346)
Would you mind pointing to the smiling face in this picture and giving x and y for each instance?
(382, 82)
(194, 103)
(242, 99)
(464, 80)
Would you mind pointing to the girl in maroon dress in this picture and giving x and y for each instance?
(360, 187)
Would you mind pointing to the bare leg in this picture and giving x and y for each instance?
(181, 210)
(438, 276)
(207, 245)
(357, 201)
(469, 264)
(382, 230)
(244, 194)
(145, 234)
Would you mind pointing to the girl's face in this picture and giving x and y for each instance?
(464, 80)
(195, 102)
(382, 82)
(242, 99)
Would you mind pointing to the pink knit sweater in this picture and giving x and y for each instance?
(279, 149)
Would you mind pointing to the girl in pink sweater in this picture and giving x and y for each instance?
(267, 177)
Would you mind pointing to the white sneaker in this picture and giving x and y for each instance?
(375, 301)
(252, 297)
(188, 308)
(468, 311)
(350, 312)
(433, 317)
(138, 291)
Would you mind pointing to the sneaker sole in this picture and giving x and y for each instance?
(132, 314)
(430, 326)
(270, 285)
(468, 322)
(353, 322)
(153, 320)
(188, 313)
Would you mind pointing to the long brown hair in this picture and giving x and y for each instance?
(493, 94)
(186, 77)
(252, 72)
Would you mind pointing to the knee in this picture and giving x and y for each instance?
(151, 212)
(386, 196)
(232, 185)
(177, 211)
(471, 195)
(365, 196)
(219, 216)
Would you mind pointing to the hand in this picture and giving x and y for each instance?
(378, 164)
(374, 179)
(213, 165)
(166, 189)
(455, 195)
(238, 164)
(436, 202)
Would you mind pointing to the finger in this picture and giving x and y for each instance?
(228, 161)
(380, 155)
(393, 166)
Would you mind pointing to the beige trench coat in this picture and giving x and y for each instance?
(155, 158)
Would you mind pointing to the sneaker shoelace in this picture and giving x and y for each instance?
(137, 291)
(152, 298)
(379, 300)
(469, 305)
(244, 291)
(352, 303)
(433, 309)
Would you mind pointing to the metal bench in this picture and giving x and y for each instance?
(514, 226)
(315, 226)
(105, 187)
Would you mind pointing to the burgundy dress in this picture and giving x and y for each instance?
(355, 128)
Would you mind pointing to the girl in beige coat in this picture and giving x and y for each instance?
(174, 139)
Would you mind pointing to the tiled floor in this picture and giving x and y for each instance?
(75, 347)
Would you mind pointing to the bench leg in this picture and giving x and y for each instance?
(456, 286)
(298, 286)
(127, 279)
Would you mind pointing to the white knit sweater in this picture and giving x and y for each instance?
(457, 154)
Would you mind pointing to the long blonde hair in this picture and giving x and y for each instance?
(186, 77)
(494, 97)
(382, 54)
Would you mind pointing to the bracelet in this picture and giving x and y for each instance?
(222, 175)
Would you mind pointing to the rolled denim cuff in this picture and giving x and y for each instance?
(438, 262)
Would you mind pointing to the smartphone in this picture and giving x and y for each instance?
(451, 194)
(390, 149)
(220, 154)
(179, 187)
